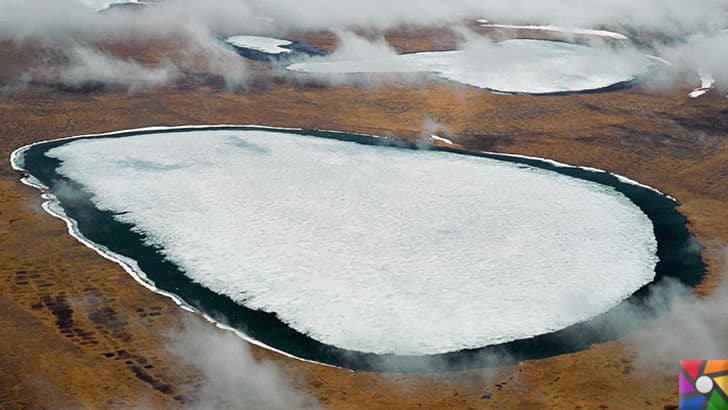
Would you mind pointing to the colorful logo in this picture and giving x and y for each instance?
(703, 384)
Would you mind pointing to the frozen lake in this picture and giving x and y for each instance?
(373, 249)
(512, 66)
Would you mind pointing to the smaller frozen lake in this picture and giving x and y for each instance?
(512, 66)
(278, 51)
(268, 45)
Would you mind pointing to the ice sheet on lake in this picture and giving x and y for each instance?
(267, 45)
(514, 66)
(371, 248)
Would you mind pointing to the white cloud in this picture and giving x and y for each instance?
(88, 65)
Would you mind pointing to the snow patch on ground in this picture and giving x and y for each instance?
(706, 84)
(438, 138)
(372, 248)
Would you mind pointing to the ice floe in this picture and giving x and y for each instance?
(372, 248)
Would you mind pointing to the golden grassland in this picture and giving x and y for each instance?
(78, 330)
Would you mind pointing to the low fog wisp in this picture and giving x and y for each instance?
(231, 376)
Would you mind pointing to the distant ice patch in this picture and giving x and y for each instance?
(512, 66)
(706, 83)
(105, 4)
(267, 45)
(441, 139)
(369, 248)
(557, 29)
